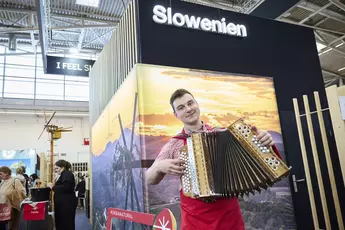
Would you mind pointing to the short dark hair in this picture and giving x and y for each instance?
(64, 164)
(6, 170)
(177, 94)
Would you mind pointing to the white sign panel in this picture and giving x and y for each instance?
(342, 106)
(162, 15)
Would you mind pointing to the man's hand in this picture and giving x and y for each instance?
(170, 166)
(263, 137)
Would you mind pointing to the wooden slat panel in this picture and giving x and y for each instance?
(306, 165)
(114, 63)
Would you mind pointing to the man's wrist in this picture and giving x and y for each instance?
(156, 168)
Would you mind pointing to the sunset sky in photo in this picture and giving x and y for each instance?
(222, 97)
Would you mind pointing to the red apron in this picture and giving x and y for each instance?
(223, 214)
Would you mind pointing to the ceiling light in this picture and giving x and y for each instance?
(341, 69)
(92, 3)
(319, 46)
(339, 45)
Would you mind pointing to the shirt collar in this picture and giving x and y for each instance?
(203, 128)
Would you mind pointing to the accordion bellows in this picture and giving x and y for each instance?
(228, 162)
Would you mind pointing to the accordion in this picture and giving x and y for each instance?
(228, 162)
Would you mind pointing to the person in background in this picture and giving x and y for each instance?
(12, 191)
(26, 180)
(65, 201)
(80, 189)
(35, 181)
(20, 176)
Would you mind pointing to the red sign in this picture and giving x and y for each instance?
(164, 220)
(34, 211)
(86, 141)
(5, 211)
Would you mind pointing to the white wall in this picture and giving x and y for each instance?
(21, 132)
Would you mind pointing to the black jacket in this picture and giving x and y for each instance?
(81, 188)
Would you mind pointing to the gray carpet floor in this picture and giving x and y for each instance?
(81, 221)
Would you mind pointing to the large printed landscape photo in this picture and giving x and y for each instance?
(139, 121)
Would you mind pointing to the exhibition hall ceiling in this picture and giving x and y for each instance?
(83, 27)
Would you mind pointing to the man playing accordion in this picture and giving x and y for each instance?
(223, 214)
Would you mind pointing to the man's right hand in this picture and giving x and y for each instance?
(170, 166)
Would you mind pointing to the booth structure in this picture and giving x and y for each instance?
(235, 65)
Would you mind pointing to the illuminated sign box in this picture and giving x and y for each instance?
(69, 66)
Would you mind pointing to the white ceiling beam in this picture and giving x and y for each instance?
(55, 13)
(63, 21)
(315, 13)
(81, 39)
(326, 12)
(338, 4)
(89, 42)
(11, 22)
(66, 32)
(11, 30)
(340, 38)
(85, 18)
(67, 40)
(331, 73)
(97, 36)
(21, 19)
(333, 48)
(312, 27)
(318, 36)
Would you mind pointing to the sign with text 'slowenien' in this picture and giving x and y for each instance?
(69, 66)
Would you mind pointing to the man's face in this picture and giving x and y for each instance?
(187, 109)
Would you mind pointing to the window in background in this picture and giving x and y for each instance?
(19, 87)
(1, 75)
(24, 60)
(1, 84)
(48, 86)
(39, 61)
(76, 88)
(19, 71)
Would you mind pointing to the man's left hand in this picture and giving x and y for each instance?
(263, 137)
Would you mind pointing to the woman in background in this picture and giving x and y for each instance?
(12, 191)
(81, 188)
(65, 201)
(20, 176)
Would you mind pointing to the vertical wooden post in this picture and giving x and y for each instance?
(316, 162)
(329, 161)
(51, 156)
(306, 165)
(52, 168)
